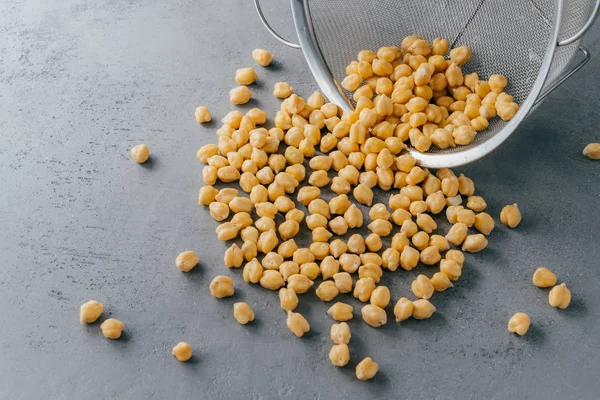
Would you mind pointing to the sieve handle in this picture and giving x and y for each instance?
(271, 30)
(585, 28)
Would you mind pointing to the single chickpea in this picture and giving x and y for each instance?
(454, 201)
(460, 55)
(288, 300)
(403, 309)
(414, 193)
(476, 203)
(456, 255)
(343, 282)
(302, 256)
(374, 315)
(466, 187)
(339, 355)
(372, 258)
(219, 211)
(233, 257)
(288, 268)
(363, 194)
(263, 57)
(207, 151)
(202, 114)
(441, 281)
(310, 270)
(186, 260)
(422, 287)
(90, 311)
(474, 243)
(340, 333)
(409, 228)
(422, 309)
(253, 270)
(484, 223)
(307, 194)
(420, 240)
(182, 351)
(370, 270)
(319, 206)
(380, 227)
(249, 251)
(363, 289)
(401, 215)
(329, 267)
(272, 260)
(373, 242)
(299, 283)
(399, 201)
(284, 204)
(511, 216)
(288, 229)
(339, 204)
(339, 185)
(327, 290)
(543, 277)
(112, 328)
(141, 153)
(351, 82)
(337, 247)
(240, 95)
(282, 90)
(297, 324)
(560, 296)
(366, 369)
(436, 202)
(297, 171)
(391, 259)
(295, 215)
(349, 262)
(249, 233)
(454, 75)
(316, 221)
(592, 151)
(451, 269)
(245, 76)
(222, 286)
(466, 217)
(426, 223)
(507, 110)
(400, 241)
(440, 242)
(497, 83)
(243, 313)
(341, 312)
(519, 323)
(380, 297)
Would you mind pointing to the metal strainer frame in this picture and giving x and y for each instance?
(334, 93)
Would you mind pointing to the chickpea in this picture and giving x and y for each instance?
(441, 281)
(249, 250)
(351, 82)
(308, 194)
(403, 309)
(436, 202)
(302, 256)
(543, 277)
(414, 193)
(420, 240)
(327, 290)
(466, 187)
(366, 369)
(451, 269)
(207, 151)
(339, 355)
(90, 311)
(265, 224)
(440, 242)
(299, 283)
(253, 270)
(295, 215)
(370, 270)
(381, 67)
(356, 244)
(466, 217)
(592, 151)
(401, 215)
(497, 83)
(141, 153)
(380, 297)
(310, 270)
(319, 206)
(288, 300)
(297, 324)
(339, 185)
(288, 268)
(374, 315)
(243, 313)
(249, 233)
(282, 90)
(390, 259)
(339, 204)
(439, 46)
(519, 323)
(409, 228)
(363, 289)
(511, 216)
(240, 95)
(112, 328)
(186, 261)
(426, 222)
(422, 287)
(380, 227)
(409, 258)
(476, 203)
(182, 351)
(507, 110)
(399, 241)
(267, 241)
(288, 229)
(456, 255)
(272, 261)
(560, 296)
(363, 194)
(484, 223)
(422, 309)
(373, 242)
(233, 257)
(340, 312)
(474, 243)
(222, 286)
(349, 262)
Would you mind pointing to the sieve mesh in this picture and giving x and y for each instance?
(510, 38)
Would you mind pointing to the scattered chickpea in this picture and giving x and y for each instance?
(403, 309)
(327, 291)
(374, 316)
(543, 277)
(422, 287)
(456, 255)
(182, 351)
(451, 269)
(140, 153)
(592, 151)
(476, 203)
(282, 90)
(243, 313)
(112, 328)
(474, 243)
(245, 76)
(422, 309)
(297, 324)
(441, 281)
(366, 369)
(343, 282)
(363, 289)
(299, 283)
(519, 323)
(202, 114)
(288, 299)
(380, 297)
(221, 286)
(263, 57)
(510, 216)
(186, 260)
(339, 355)
(90, 311)
(233, 257)
(240, 95)
(340, 311)
(560, 296)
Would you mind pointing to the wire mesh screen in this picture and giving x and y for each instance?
(507, 37)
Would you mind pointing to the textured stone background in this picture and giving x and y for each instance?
(81, 82)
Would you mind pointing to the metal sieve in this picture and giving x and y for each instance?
(534, 43)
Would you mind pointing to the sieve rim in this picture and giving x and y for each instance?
(332, 91)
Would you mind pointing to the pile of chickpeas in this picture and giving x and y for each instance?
(285, 173)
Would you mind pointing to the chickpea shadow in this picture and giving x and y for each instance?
(535, 335)
(275, 66)
(151, 163)
(577, 308)
(254, 327)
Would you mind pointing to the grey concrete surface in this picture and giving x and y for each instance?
(81, 82)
